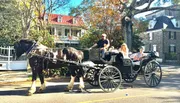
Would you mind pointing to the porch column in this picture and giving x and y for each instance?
(70, 32)
(55, 31)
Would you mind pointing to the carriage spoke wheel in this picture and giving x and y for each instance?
(152, 74)
(110, 79)
(92, 77)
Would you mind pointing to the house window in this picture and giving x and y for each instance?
(74, 21)
(46, 17)
(154, 48)
(59, 19)
(149, 47)
(59, 32)
(66, 32)
(52, 31)
(172, 35)
(172, 48)
(177, 24)
(170, 13)
(150, 36)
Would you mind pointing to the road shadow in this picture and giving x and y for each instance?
(23, 91)
(168, 82)
(170, 99)
(13, 92)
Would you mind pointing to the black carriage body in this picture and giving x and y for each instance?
(111, 58)
(126, 67)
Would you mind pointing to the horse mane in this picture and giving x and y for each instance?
(27, 41)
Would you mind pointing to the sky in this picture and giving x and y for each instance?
(65, 10)
(162, 3)
(74, 3)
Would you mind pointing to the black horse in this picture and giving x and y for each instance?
(41, 58)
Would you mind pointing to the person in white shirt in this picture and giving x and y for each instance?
(138, 56)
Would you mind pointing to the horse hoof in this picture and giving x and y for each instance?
(29, 94)
(40, 91)
(67, 90)
(31, 91)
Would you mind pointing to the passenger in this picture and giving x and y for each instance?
(138, 56)
(103, 44)
(124, 50)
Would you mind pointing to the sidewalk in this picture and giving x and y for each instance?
(16, 76)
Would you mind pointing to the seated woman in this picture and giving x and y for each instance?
(124, 50)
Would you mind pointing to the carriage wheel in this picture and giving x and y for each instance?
(92, 77)
(152, 74)
(131, 78)
(110, 79)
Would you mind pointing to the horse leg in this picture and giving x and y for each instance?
(71, 83)
(41, 77)
(81, 83)
(32, 89)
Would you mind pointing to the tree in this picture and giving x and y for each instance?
(101, 16)
(126, 10)
(91, 37)
(10, 27)
(33, 13)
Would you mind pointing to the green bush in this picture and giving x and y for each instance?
(56, 72)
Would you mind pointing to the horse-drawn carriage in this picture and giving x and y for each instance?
(107, 73)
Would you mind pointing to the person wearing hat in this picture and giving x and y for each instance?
(103, 44)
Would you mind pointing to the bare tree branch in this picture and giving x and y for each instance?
(158, 8)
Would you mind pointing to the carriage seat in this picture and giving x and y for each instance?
(129, 62)
(136, 62)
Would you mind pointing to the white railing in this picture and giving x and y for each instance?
(7, 61)
(6, 53)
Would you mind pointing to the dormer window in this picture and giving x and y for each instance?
(74, 21)
(46, 17)
(59, 19)
(152, 24)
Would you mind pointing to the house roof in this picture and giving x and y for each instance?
(161, 21)
(65, 20)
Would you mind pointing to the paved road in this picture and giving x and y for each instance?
(167, 92)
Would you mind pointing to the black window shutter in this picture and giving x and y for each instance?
(174, 35)
(169, 49)
(175, 49)
(169, 34)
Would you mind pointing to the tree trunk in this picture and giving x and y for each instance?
(128, 32)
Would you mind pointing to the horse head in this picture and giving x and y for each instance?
(23, 46)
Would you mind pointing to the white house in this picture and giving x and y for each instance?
(66, 29)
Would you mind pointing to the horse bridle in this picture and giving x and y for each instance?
(30, 49)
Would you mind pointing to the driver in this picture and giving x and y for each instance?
(103, 44)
